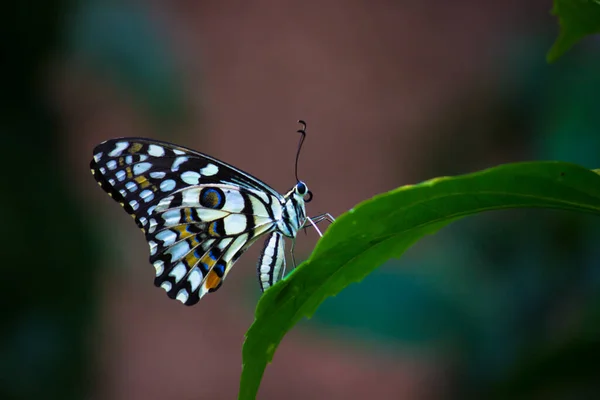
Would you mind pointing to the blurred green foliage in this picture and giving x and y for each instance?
(119, 41)
(577, 19)
(52, 260)
(49, 266)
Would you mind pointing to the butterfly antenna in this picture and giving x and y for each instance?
(303, 133)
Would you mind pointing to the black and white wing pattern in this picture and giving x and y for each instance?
(198, 214)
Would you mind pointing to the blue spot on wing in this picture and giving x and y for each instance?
(220, 270)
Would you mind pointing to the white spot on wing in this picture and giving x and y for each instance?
(182, 296)
(156, 151)
(159, 265)
(178, 161)
(134, 204)
(234, 202)
(167, 237)
(97, 157)
(140, 168)
(120, 175)
(168, 185)
(189, 197)
(131, 186)
(190, 177)
(171, 217)
(157, 174)
(166, 285)
(224, 243)
(179, 250)
(207, 214)
(178, 272)
(152, 247)
(195, 278)
(119, 147)
(234, 224)
(209, 170)
(143, 221)
(112, 164)
(164, 203)
(147, 195)
(178, 152)
(258, 208)
(152, 226)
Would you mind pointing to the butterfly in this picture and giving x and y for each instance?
(199, 214)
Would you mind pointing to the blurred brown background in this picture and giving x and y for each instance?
(394, 92)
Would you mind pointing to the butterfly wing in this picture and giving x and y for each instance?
(198, 213)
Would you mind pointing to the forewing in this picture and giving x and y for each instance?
(199, 214)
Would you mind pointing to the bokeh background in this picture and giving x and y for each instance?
(503, 305)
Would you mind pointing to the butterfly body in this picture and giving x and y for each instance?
(198, 214)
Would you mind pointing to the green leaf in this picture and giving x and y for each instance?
(385, 226)
(577, 18)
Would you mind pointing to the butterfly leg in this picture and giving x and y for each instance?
(292, 252)
(323, 217)
(319, 218)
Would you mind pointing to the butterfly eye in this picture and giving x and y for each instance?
(301, 188)
(308, 197)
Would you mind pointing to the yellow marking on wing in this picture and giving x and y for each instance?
(142, 181)
(194, 242)
(181, 231)
(129, 173)
(191, 259)
(134, 148)
(187, 212)
(208, 260)
(121, 161)
(212, 229)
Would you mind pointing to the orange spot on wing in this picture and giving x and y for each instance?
(212, 280)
